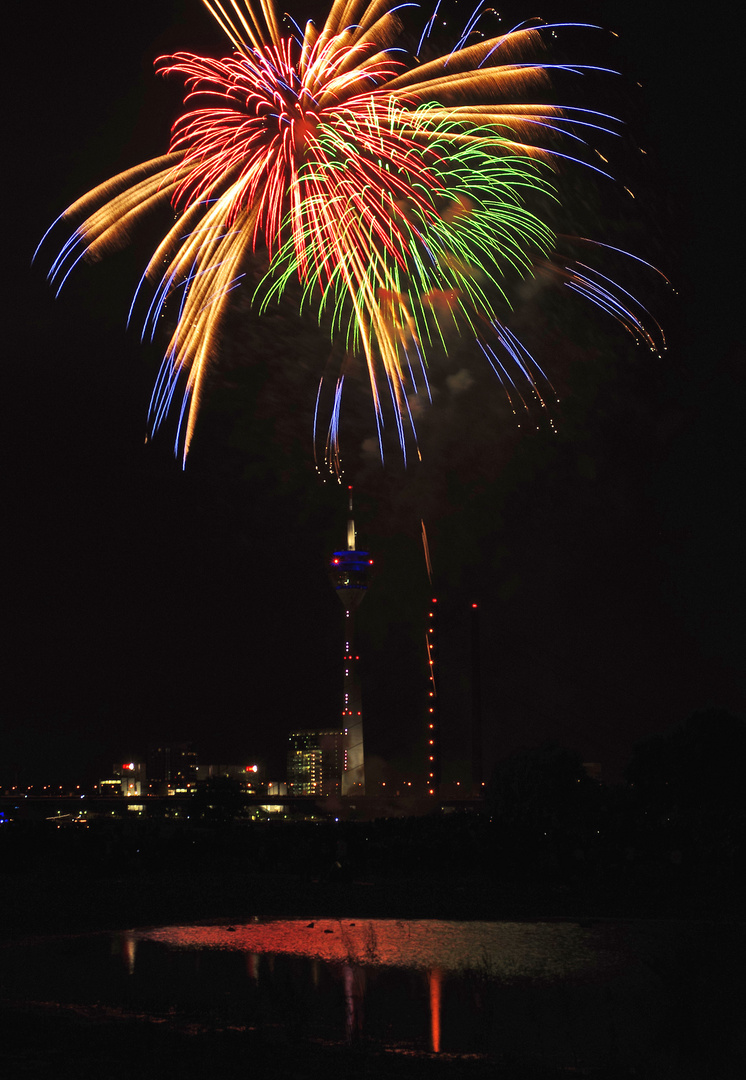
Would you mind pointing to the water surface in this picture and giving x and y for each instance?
(561, 993)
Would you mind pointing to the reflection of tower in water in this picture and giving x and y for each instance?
(435, 981)
(350, 571)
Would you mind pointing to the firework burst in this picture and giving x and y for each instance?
(400, 194)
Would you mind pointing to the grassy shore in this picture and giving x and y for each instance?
(121, 875)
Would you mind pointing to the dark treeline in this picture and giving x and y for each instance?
(670, 840)
(549, 841)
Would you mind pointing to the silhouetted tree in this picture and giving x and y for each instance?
(687, 785)
(543, 800)
(219, 800)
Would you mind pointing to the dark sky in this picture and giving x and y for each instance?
(145, 604)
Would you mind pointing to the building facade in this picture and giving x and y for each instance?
(315, 762)
(172, 770)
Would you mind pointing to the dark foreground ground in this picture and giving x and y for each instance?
(62, 882)
(118, 873)
(48, 1041)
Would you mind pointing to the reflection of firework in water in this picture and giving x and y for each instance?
(401, 197)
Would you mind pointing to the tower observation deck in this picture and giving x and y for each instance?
(350, 571)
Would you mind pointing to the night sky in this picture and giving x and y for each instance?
(146, 604)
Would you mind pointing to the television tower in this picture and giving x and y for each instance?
(350, 570)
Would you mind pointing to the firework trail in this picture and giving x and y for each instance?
(400, 194)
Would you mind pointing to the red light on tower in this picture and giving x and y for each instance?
(433, 728)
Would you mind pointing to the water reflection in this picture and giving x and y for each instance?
(354, 984)
(413, 979)
(506, 950)
(560, 994)
(128, 951)
(252, 966)
(435, 977)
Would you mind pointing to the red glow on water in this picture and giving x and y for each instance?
(435, 978)
(377, 942)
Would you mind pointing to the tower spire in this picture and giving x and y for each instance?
(350, 524)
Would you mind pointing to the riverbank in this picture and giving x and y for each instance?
(40, 1040)
(50, 904)
(124, 874)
